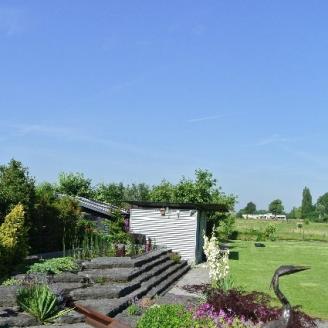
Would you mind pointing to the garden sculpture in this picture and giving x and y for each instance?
(286, 319)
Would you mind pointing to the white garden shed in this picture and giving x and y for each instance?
(177, 226)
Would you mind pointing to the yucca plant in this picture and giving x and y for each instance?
(41, 302)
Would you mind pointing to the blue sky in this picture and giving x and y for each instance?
(142, 90)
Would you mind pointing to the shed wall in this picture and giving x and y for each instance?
(176, 230)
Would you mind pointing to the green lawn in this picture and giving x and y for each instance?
(285, 230)
(252, 268)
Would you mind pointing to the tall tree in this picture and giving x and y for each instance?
(307, 206)
(112, 193)
(138, 191)
(250, 208)
(322, 207)
(16, 186)
(74, 184)
(276, 207)
(203, 189)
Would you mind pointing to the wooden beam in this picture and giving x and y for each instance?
(97, 319)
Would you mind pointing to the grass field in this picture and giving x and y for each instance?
(252, 268)
(285, 230)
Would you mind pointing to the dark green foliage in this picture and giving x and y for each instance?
(40, 302)
(250, 208)
(16, 186)
(111, 193)
(93, 245)
(322, 207)
(134, 309)
(140, 192)
(307, 208)
(226, 227)
(270, 232)
(46, 231)
(276, 207)
(166, 316)
(68, 215)
(201, 190)
(175, 257)
(295, 213)
(74, 184)
(54, 266)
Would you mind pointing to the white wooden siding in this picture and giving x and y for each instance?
(176, 231)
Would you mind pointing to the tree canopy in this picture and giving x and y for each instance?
(322, 207)
(74, 184)
(203, 189)
(250, 208)
(307, 207)
(16, 186)
(276, 207)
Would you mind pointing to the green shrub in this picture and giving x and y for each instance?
(93, 245)
(226, 227)
(13, 240)
(12, 282)
(40, 302)
(54, 266)
(260, 236)
(134, 309)
(270, 232)
(13, 234)
(166, 316)
(175, 257)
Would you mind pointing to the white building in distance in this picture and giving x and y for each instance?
(266, 216)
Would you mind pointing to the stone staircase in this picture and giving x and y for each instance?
(108, 285)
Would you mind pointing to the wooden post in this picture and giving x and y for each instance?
(97, 319)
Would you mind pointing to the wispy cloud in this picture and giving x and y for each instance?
(205, 118)
(68, 134)
(10, 20)
(277, 139)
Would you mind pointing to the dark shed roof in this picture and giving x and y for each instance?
(98, 207)
(188, 206)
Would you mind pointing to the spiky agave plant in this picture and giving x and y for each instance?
(41, 302)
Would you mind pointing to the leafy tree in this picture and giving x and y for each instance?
(295, 213)
(164, 192)
(16, 186)
(112, 193)
(69, 214)
(203, 189)
(138, 191)
(250, 208)
(74, 184)
(276, 207)
(307, 208)
(46, 231)
(322, 207)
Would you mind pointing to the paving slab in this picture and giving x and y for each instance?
(196, 276)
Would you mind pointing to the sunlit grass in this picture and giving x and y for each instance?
(254, 268)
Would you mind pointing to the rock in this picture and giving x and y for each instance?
(12, 318)
(8, 296)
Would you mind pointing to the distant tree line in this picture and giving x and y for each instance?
(317, 212)
(51, 221)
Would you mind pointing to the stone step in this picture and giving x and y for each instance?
(122, 262)
(74, 325)
(154, 271)
(166, 284)
(67, 277)
(112, 307)
(113, 290)
(121, 274)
